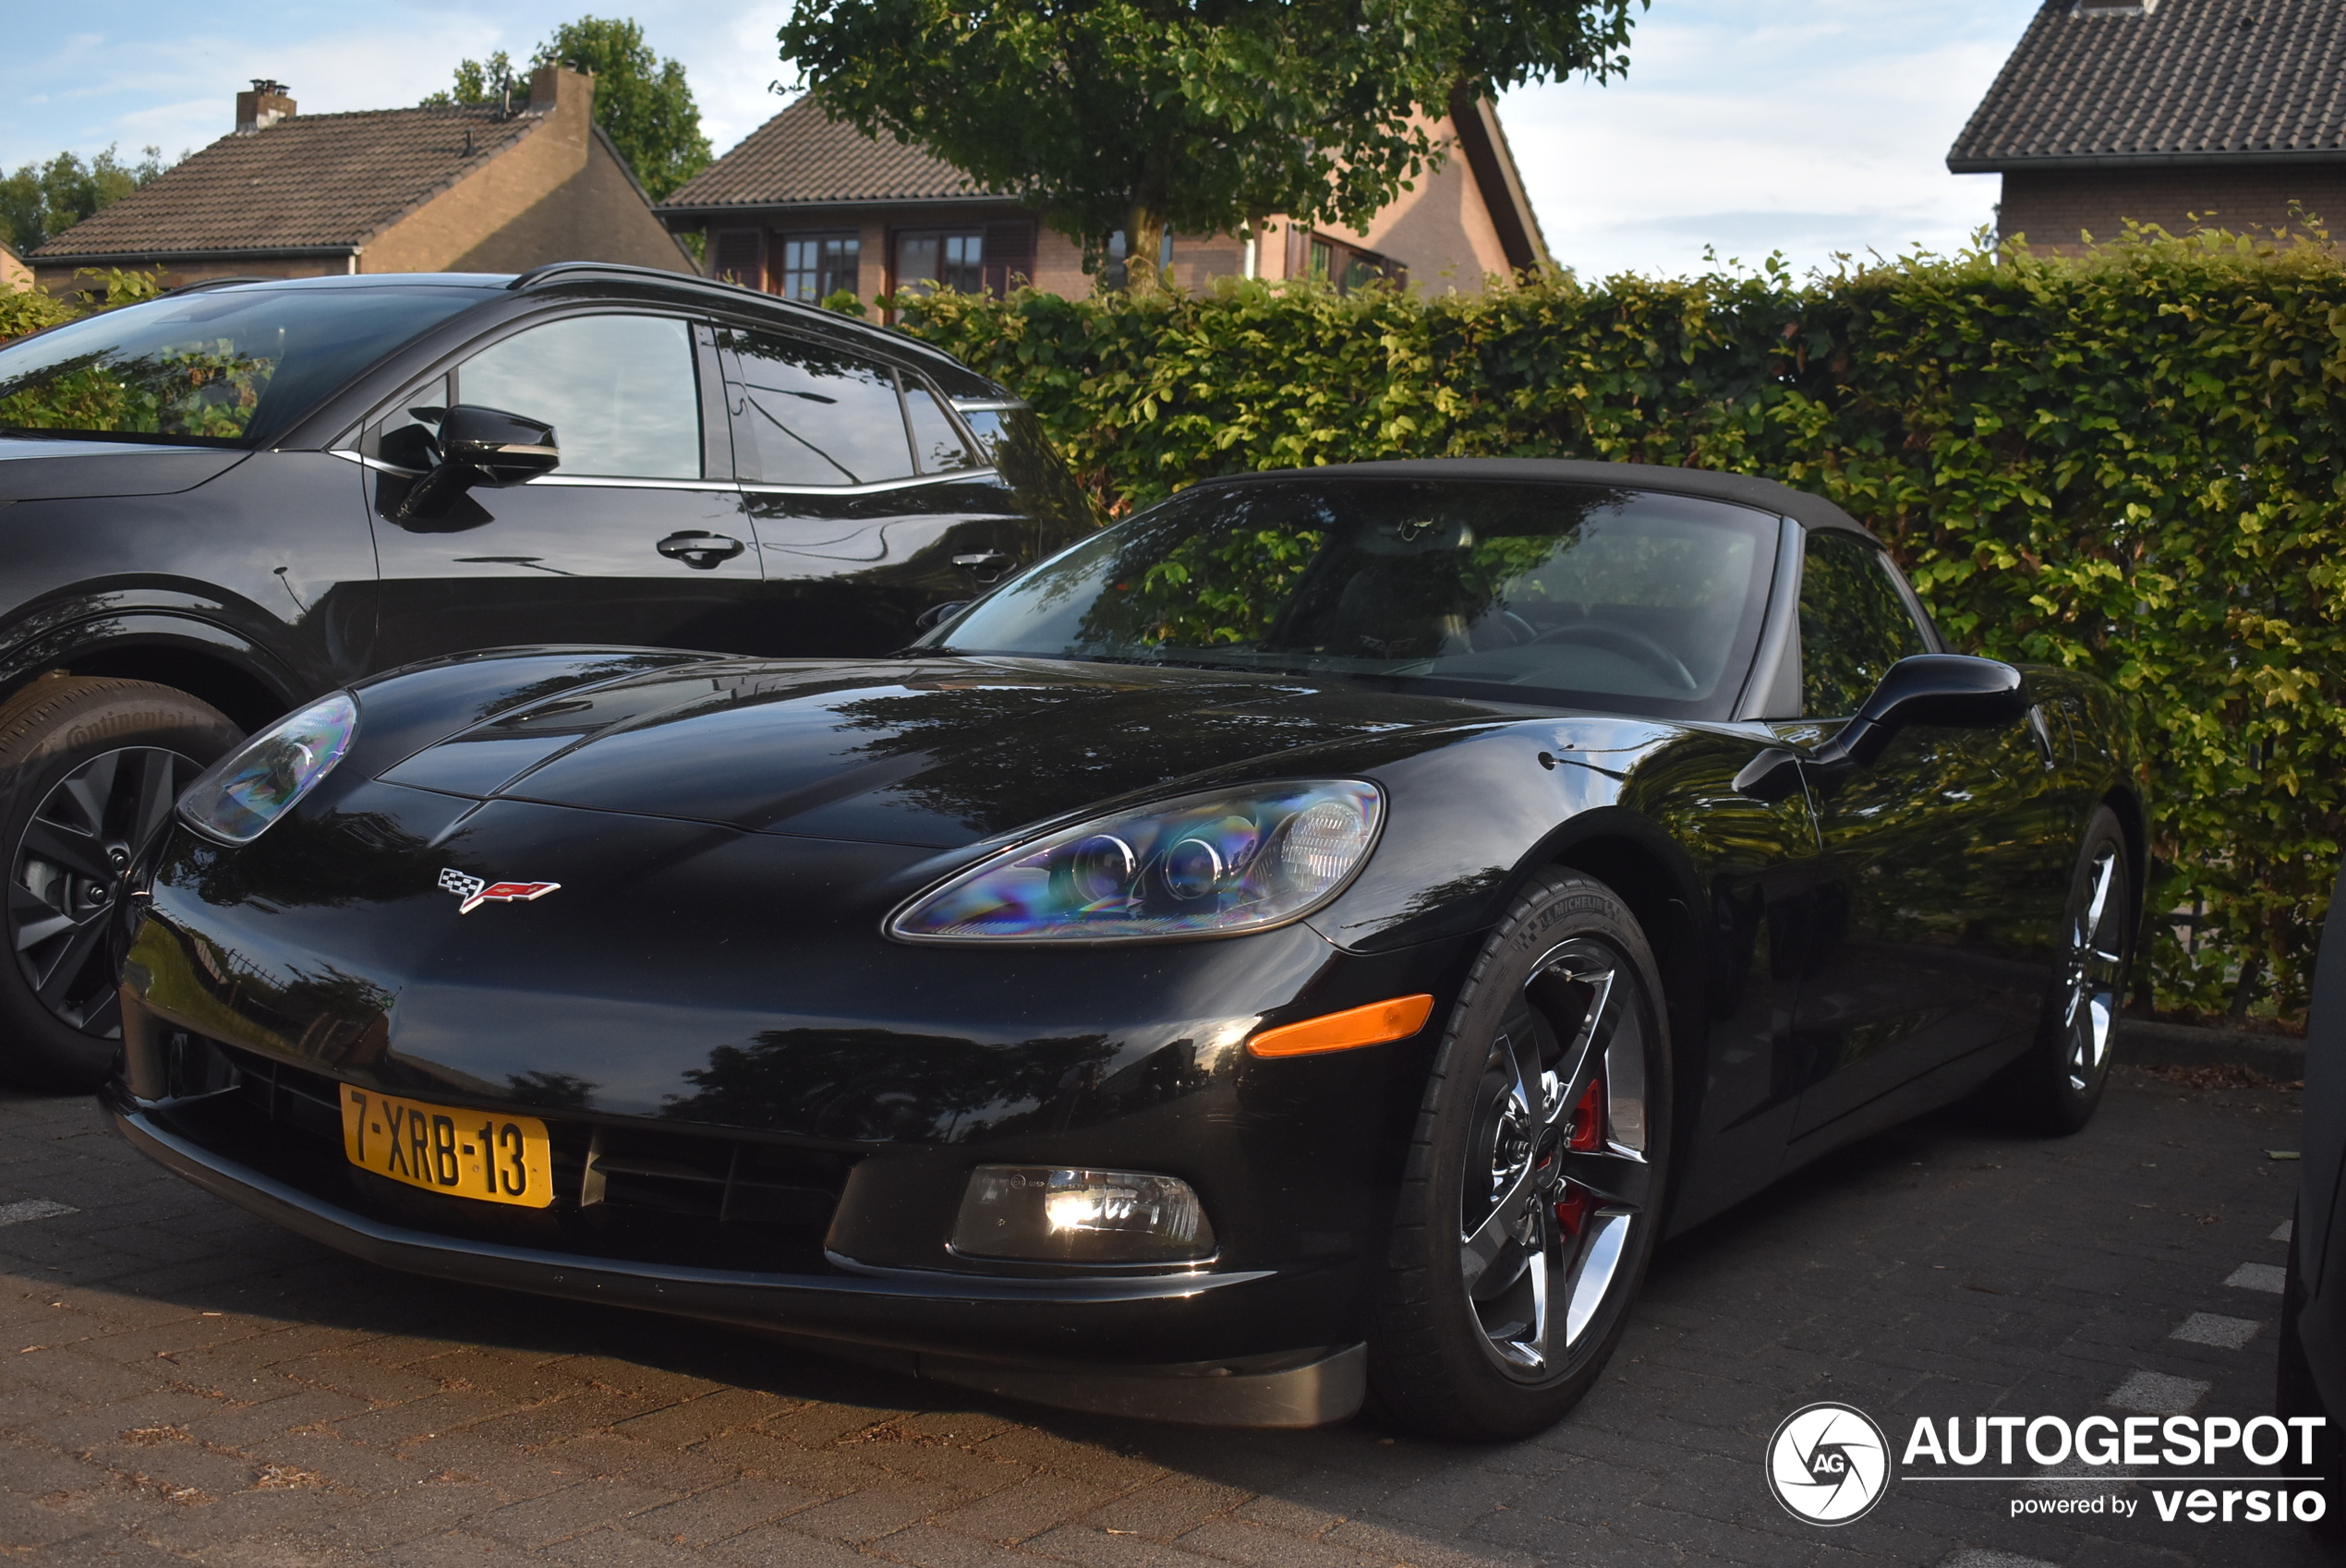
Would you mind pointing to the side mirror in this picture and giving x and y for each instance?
(483, 446)
(1952, 690)
(1944, 689)
(499, 448)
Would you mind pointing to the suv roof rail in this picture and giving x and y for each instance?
(555, 272)
(200, 284)
(554, 269)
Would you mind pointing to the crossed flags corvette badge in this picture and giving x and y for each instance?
(474, 892)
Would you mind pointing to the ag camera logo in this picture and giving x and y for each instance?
(1828, 1464)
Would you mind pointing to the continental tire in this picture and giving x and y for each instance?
(1534, 1182)
(88, 770)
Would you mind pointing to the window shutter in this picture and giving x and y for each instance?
(737, 257)
(1009, 256)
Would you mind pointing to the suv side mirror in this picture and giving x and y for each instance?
(482, 446)
(1954, 689)
(498, 447)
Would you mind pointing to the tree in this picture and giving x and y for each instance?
(41, 201)
(490, 82)
(1202, 116)
(642, 102)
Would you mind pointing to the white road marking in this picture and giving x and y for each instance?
(2269, 1277)
(2157, 1393)
(2210, 1328)
(34, 1208)
(2286, 1227)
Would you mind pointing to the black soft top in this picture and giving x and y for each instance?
(1810, 511)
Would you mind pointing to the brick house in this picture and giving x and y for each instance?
(807, 205)
(2168, 111)
(463, 188)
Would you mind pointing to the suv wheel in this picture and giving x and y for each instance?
(88, 770)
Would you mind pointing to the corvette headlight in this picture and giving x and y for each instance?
(260, 781)
(1208, 864)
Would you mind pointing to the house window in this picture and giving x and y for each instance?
(816, 267)
(1350, 267)
(953, 258)
(1009, 256)
(738, 255)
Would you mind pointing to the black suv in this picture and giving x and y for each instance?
(220, 504)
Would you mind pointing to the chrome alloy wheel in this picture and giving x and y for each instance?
(2096, 968)
(71, 908)
(1555, 1171)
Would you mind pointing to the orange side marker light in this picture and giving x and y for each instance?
(1372, 1025)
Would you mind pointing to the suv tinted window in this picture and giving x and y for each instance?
(1854, 624)
(234, 366)
(620, 392)
(935, 440)
(807, 414)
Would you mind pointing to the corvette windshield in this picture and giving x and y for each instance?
(1627, 599)
(228, 367)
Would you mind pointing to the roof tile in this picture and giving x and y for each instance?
(802, 155)
(312, 180)
(2184, 79)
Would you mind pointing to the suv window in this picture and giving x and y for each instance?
(935, 444)
(231, 366)
(620, 392)
(1854, 624)
(804, 414)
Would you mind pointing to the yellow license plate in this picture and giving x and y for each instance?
(496, 1158)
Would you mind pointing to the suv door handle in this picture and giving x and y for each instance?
(988, 565)
(700, 551)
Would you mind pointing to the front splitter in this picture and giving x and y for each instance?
(1297, 1388)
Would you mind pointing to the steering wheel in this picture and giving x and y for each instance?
(1505, 630)
(1632, 646)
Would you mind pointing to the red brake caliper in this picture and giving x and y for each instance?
(1585, 1132)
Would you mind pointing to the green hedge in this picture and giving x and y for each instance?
(32, 310)
(2128, 463)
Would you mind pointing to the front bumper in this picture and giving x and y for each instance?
(897, 1319)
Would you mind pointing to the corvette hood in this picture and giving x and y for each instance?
(937, 753)
(35, 469)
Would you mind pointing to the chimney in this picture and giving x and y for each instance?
(555, 85)
(262, 107)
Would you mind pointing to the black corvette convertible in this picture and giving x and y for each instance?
(1312, 938)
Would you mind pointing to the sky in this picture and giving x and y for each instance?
(1804, 127)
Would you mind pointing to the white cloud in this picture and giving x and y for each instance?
(1756, 126)
(170, 77)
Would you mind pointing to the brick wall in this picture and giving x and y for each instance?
(2053, 207)
(179, 272)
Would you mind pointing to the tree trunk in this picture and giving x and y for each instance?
(1143, 243)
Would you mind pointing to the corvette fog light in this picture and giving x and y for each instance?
(1039, 1214)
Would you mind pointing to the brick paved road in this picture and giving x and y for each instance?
(180, 1383)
